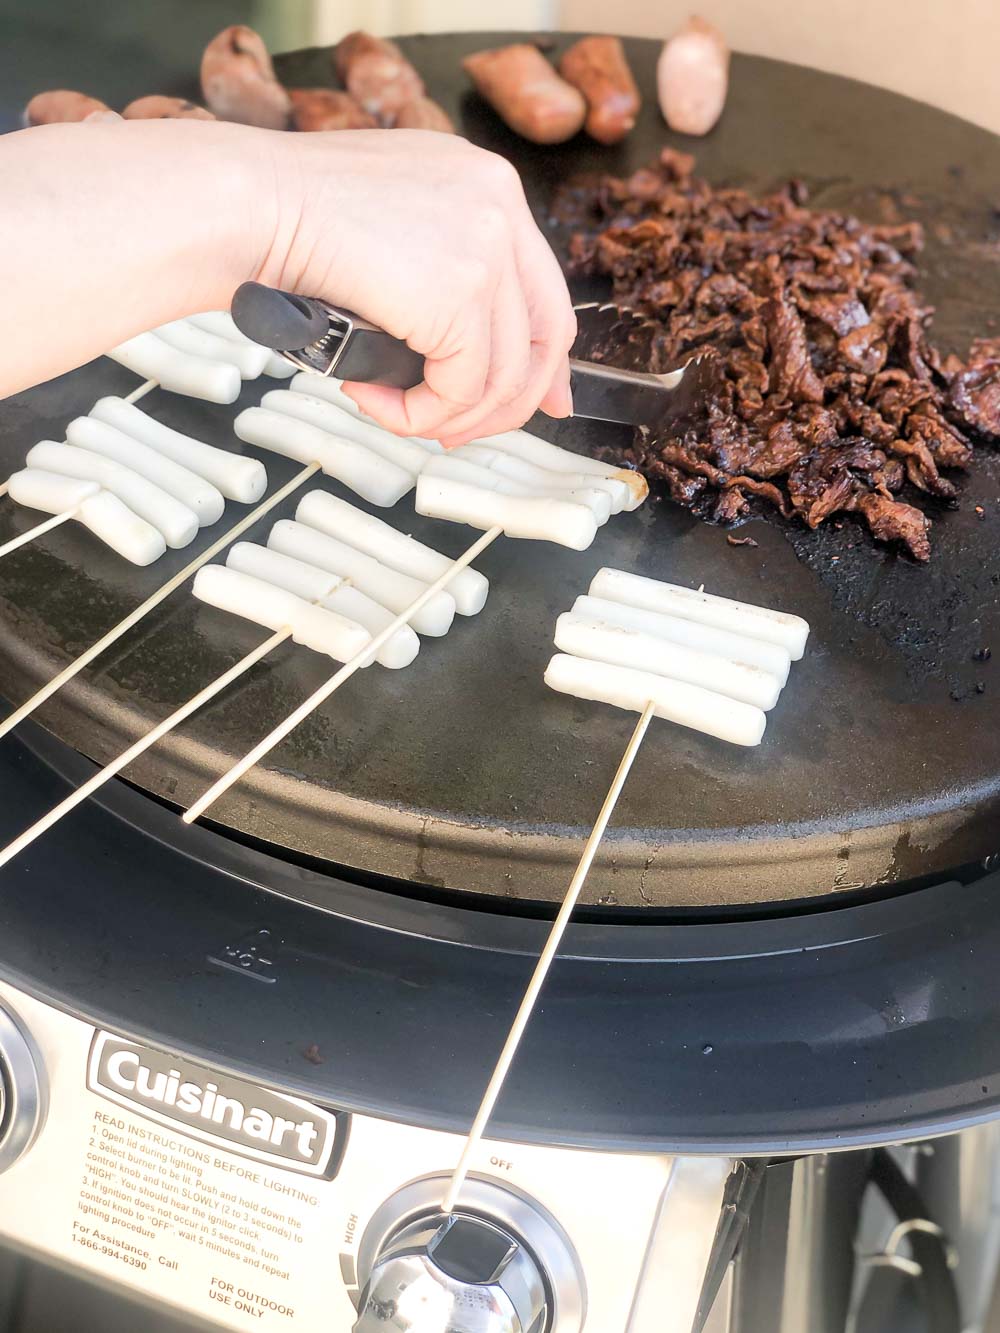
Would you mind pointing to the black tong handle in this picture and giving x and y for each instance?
(279, 320)
(317, 336)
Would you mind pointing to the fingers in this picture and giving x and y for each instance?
(510, 365)
(552, 332)
(558, 402)
(503, 351)
(553, 322)
(552, 326)
(456, 372)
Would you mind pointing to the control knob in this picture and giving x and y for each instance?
(456, 1274)
(498, 1264)
(21, 1103)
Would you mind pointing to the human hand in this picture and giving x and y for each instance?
(432, 239)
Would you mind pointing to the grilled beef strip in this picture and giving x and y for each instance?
(828, 395)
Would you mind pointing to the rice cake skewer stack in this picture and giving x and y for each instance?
(204, 356)
(705, 662)
(311, 604)
(360, 466)
(137, 484)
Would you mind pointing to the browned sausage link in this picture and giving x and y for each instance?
(524, 89)
(327, 109)
(61, 104)
(357, 44)
(377, 74)
(156, 107)
(692, 77)
(598, 67)
(238, 81)
(423, 114)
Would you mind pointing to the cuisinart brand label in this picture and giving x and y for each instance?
(227, 1112)
(206, 1191)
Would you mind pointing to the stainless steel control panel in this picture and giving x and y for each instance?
(252, 1209)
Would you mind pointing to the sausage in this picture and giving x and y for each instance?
(598, 67)
(377, 74)
(527, 93)
(156, 107)
(328, 109)
(692, 77)
(238, 81)
(423, 114)
(61, 105)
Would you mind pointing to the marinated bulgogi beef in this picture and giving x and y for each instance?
(828, 396)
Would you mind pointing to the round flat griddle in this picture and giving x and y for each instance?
(463, 772)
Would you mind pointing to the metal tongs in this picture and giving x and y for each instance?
(324, 340)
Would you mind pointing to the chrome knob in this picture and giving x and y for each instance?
(499, 1264)
(457, 1274)
(21, 1099)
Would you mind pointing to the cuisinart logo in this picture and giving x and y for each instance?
(223, 1111)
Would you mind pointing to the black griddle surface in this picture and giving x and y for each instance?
(463, 772)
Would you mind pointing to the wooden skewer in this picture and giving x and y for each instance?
(4, 488)
(113, 635)
(140, 747)
(147, 387)
(545, 961)
(38, 530)
(334, 683)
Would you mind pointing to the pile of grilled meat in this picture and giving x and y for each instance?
(827, 395)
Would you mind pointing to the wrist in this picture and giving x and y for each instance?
(241, 180)
(303, 214)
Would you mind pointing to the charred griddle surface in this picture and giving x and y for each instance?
(462, 771)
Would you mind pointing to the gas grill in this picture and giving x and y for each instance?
(782, 953)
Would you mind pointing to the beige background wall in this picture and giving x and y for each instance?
(941, 51)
